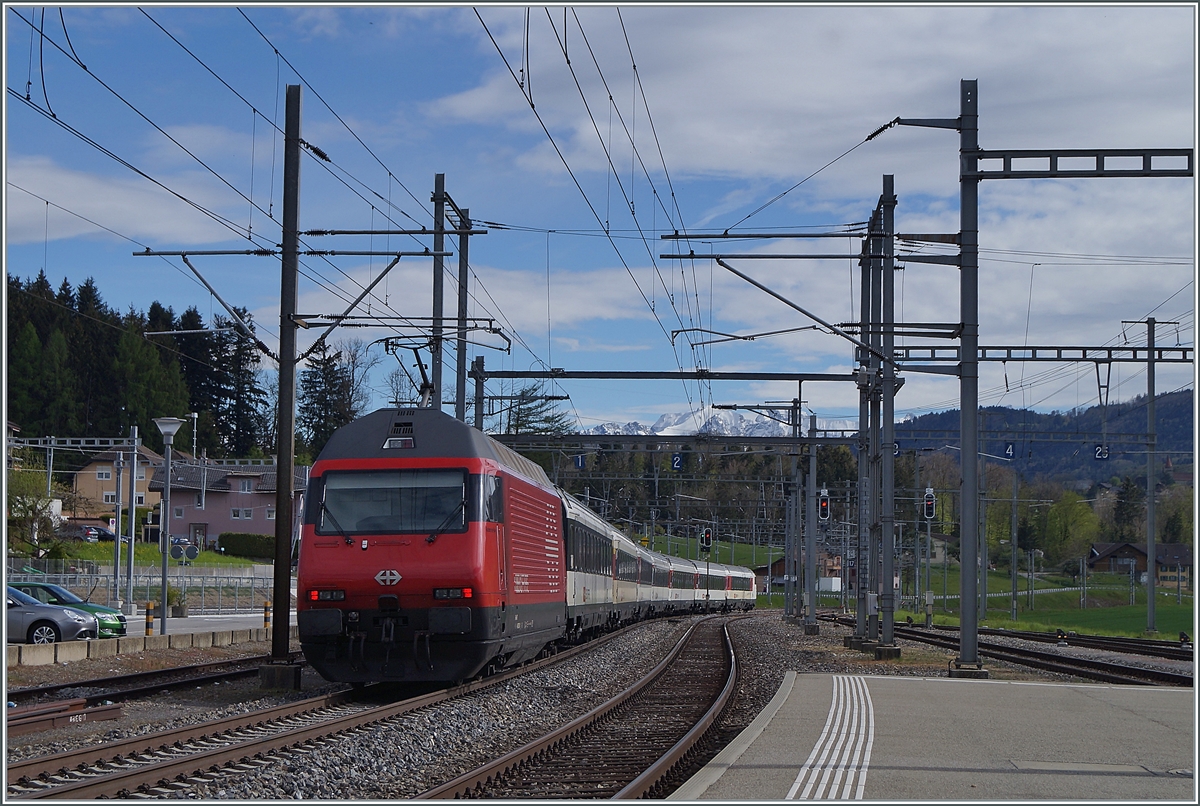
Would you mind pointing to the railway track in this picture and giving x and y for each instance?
(1104, 671)
(140, 684)
(161, 763)
(1151, 647)
(627, 747)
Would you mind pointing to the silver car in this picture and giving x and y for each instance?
(31, 622)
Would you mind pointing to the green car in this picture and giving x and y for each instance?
(111, 621)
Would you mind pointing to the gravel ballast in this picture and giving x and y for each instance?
(414, 752)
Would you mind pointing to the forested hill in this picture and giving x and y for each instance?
(1062, 445)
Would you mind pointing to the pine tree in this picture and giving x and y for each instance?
(43, 315)
(532, 413)
(93, 336)
(323, 397)
(241, 413)
(146, 388)
(199, 366)
(58, 388)
(24, 392)
(1127, 512)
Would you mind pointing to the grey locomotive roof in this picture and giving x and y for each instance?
(424, 434)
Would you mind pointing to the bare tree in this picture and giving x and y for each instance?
(400, 386)
(357, 361)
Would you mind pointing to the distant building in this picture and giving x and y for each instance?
(829, 564)
(211, 497)
(96, 483)
(1179, 476)
(1174, 566)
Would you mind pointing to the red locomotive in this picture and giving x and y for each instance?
(431, 552)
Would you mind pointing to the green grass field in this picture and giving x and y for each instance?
(148, 554)
(1108, 613)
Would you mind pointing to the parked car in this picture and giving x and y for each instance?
(111, 622)
(31, 622)
(88, 534)
(100, 533)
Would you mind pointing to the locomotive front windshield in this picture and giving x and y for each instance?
(393, 501)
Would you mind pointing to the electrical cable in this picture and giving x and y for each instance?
(620, 184)
(566, 164)
(332, 111)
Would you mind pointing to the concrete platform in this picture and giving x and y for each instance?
(889, 739)
(196, 631)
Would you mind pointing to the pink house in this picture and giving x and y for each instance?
(231, 495)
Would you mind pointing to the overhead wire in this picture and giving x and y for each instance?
(606, 147)
(613, 173)
(98, 225)
(391, 176)
(1055, 371)
(332, 111)
(325, 164)
(566, 164)
(310, 274)
(682, 227)
(74, 60)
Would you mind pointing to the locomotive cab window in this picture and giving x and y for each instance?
(393, 501)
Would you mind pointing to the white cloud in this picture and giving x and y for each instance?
(130, 206)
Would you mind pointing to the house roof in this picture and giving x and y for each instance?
(1165, 553)
(145, 455)
(221, 478)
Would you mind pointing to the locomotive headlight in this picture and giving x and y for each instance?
(453, 593)
(326, 596)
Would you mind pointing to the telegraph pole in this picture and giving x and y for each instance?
(810, 535)
(1151, 481)
(969, 368)
(460, 366)
(888, 423)
(439, 240)
(279, 673)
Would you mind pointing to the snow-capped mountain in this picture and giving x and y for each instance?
(721, 422)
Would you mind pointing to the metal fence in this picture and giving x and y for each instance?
(204, 594)
(25, 565)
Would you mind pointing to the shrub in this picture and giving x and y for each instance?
(242, 544)
(174, 596)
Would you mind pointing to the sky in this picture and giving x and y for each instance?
(577, 137)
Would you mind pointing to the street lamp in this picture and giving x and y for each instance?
(169, 426)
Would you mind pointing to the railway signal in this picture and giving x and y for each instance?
(930, 507)
(823, 505)
(706, 538)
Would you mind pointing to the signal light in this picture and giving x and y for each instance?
(930, 506)
(823, 505)
(706, 537)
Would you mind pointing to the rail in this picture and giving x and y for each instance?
(143, 761)
(583, 736)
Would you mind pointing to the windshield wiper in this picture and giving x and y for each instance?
(433, 535)
(327, 511)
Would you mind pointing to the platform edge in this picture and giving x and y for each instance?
(699, 783)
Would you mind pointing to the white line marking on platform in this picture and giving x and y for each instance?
(840, 758)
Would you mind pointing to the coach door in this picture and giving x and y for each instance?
(501, 559)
